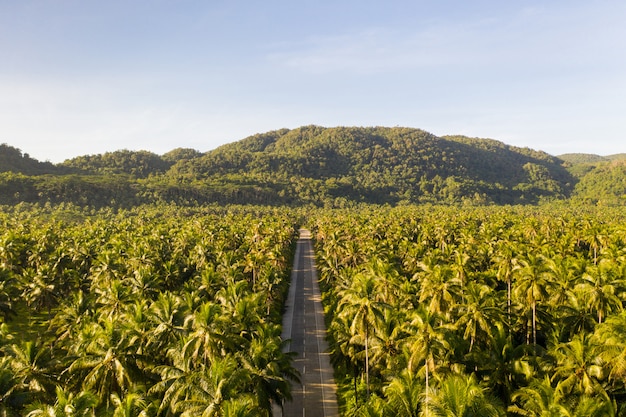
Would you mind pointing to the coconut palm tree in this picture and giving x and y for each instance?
(30, 362)
(538, 399)
(268, 368)
(202, 392)
(404, 394)
(478, 315)
(603, 288)
(106, 361)
(541, 399)
(13, 392)
(531, 286)
(427, 344)
(361, 304)
(439, 288)
(67, 404)
(7, 295)
(578, 369)
(130, 405)
(166, 318)
(461, 396)
(208, 335)
(504, 366)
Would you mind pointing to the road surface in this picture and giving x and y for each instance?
(303, 324)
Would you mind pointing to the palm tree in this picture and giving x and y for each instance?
(207, 338)
(39, 290)
(29, 363)
(7, 290)
(68, 319)
(610, 337)
(112, 298)
(578, 369)
(130, 405)
(386, 344)
(166, 317)
(539, 399)
(439, 289)
(67, 404)
(427, 343)
(532, 285)
(106, 361)
(461, 396)
(242, 406)
(404, 394)
(361, 304)
(575, 316)
(268, 368)
(344, 351)
(504, 365)
(13, 392)
(478, 315)
(144, 282)
(505, 264)
(203, 392)
(603, 288)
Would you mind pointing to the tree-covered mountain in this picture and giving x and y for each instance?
(139, 164)
(386, 165)
(13, 160)
(320, 166)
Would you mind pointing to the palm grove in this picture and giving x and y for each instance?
(150, 312)
(495, 311)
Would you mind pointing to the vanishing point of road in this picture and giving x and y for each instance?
(303, 324)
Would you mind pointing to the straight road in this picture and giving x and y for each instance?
(303, 324)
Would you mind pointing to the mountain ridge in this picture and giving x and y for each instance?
(316, 165)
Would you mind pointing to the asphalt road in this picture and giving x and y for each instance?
(303, 324)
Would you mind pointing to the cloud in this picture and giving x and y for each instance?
(535, 40)
(372, 51)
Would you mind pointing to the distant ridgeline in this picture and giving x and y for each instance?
(333, 167)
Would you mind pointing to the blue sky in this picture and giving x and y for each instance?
(82, 77)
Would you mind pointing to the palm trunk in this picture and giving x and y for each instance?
(367, 362)
(426, 396)
(534, 307)
(508, 300)
(356, 391)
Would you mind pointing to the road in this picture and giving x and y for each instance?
(303, 324)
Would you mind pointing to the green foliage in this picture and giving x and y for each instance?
(311, 165)
(13, 160)
(492, 309)
(158, 310)
(603, 184)
(139, 164)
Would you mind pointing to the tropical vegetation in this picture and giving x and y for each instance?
(460, 277)
(437, 311)
(312, 165)
(153, 312)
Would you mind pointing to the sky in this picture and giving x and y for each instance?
(81, 77)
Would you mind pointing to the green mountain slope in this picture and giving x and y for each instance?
(321, 166)
(138, 164)
(13, 160)
(387, 165)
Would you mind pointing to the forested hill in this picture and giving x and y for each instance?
(386, 165)
(13, 160)
(311, 165)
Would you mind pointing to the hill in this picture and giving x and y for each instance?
(13, 160)
(384, 165)
(321, 166)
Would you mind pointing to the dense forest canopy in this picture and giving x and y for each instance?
(332, 167)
